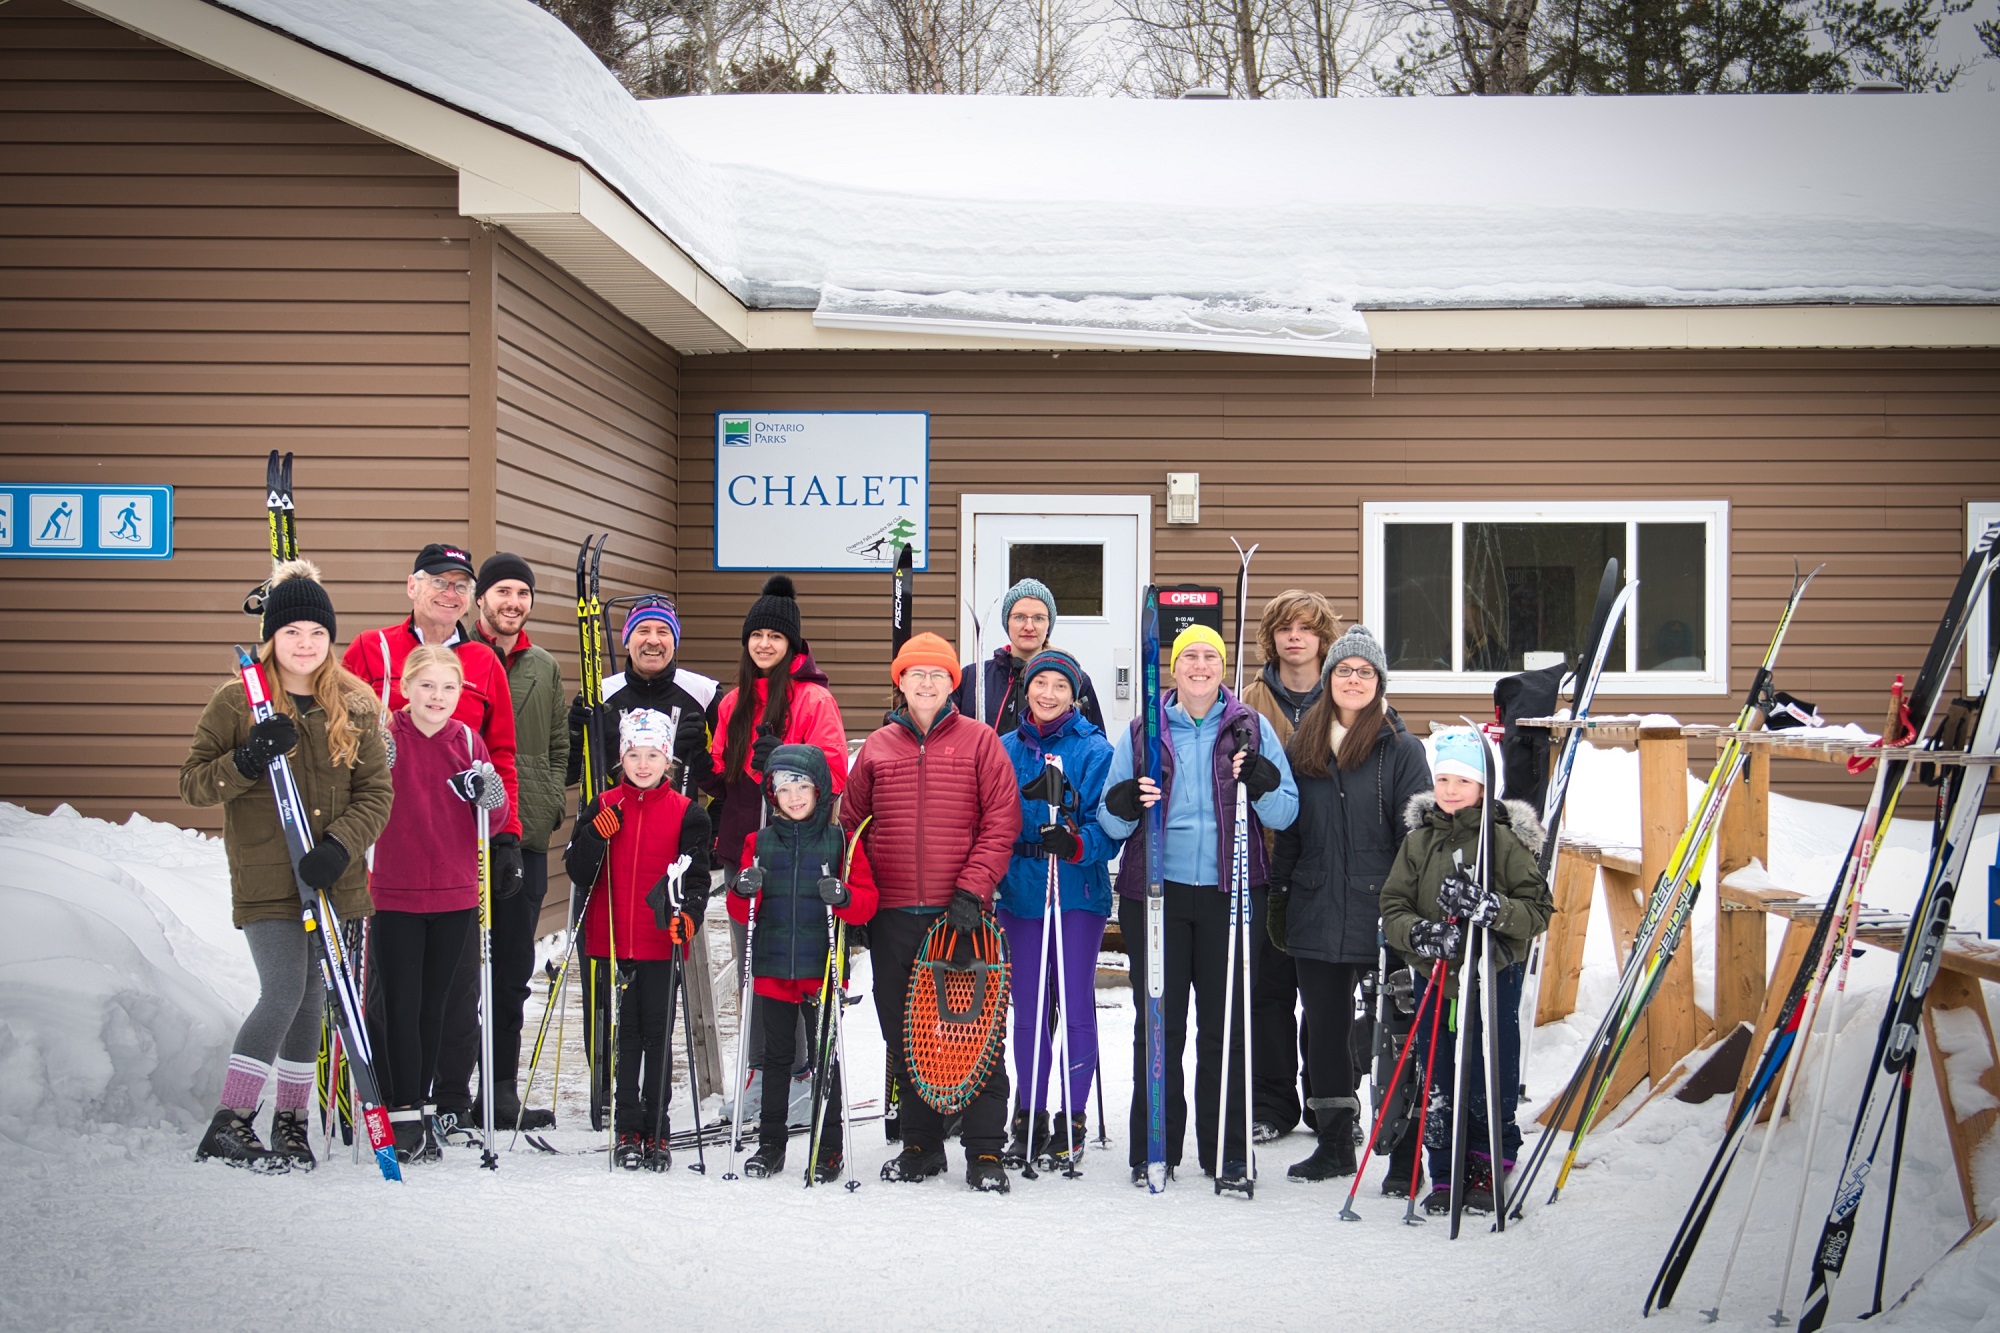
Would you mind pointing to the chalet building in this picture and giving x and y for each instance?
(1440, 360)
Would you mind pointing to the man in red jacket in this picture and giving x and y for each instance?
(440, 590)
(937, 795)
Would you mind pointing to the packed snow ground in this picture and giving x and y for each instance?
(121, 983)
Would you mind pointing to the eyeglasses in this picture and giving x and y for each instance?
(1359, 673)
(915, 676)
(438, 583)
(1027, 620)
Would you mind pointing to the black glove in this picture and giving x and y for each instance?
(761, 752)
(480, 785)
(1046, 786)
(691, 744)
(507, 871)
(1061, 844)
(964, 912)
(1123, 801)
(1460, 897)
(1435, 939)
(579, 718)
(1276, 904)
(833, 893)
(749, 882)
(323, 866)
(274, 736)
(1259, 776)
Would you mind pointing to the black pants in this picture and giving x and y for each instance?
(1438, 1113)
(1283, 1079)
(1329, 989)
(513, 963)
(645, 1054)
(893, 940)
(412, 955)
(781, 1021)
(1197, 957)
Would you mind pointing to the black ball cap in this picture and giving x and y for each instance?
(437, 558)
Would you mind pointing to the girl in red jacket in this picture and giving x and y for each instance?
(937, 795)
(425, 883)
(796, 870)
(644, 847)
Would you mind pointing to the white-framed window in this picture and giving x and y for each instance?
(1462, 593)
(1983, 628)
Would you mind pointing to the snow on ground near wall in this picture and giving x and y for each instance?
(111, 1224)
(1364, 201)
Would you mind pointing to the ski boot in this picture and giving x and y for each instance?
(432, 1137)
(827, 1169)
(1478, 1183)
(1235, 1178)
(1063, 1146)
(232, 1139)
(629, 1153)
(1438, 1202)
(914, 1164)
(984, 1173)
(659, 1156)
(1031, 1136)
(767, 1161)
(291, 1140)
(1334, 1157)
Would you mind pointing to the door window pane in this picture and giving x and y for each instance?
(1416, 582)
(1531, 587)
(1673, 578)
(1074, 573)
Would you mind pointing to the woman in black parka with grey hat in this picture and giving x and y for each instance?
(1356, 767)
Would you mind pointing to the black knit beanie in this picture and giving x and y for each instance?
(777, 608)
(500, 566)
(296, 595)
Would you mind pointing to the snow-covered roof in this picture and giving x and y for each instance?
(1252, 221)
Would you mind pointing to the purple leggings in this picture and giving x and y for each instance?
(1082, 933)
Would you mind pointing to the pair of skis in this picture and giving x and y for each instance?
(1477, 970)
(1661, 930)
(1832, 936)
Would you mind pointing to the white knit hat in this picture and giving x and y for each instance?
(645, 726)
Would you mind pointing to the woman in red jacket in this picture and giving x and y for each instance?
(937, 795)
(645, 847)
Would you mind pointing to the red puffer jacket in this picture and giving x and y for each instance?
(944, 807)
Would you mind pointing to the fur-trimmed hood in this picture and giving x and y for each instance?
(1521, 818)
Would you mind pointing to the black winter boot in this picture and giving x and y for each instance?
(291, 1140)
(914, 1164)
(630, 1151)
(983, 1172)
(1064, 1146)
(767, 1161)
(231, 1138)
(1334, 1156)
(659, 1155)
(1031, 1136)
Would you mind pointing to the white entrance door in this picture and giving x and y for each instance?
(1091, 550)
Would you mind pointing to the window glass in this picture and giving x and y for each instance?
(1416, 581)
(1531, 587)
(1074, 573)
(1673, 578)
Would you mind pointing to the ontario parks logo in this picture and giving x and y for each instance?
(736, 431)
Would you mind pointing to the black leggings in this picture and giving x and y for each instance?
(645, 1052)
(780, 1021)
(1328, 990)
(412, 957)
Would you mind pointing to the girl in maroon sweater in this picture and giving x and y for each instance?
(425, 883)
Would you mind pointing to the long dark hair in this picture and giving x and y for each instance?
(743, 730)
(1309, 748)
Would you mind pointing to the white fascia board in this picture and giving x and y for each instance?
(1685, 328)
(501, 174)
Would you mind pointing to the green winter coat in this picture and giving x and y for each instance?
(541, 738)
(350, 804)
(1410, 894)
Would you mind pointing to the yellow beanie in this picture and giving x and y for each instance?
(1196, 634)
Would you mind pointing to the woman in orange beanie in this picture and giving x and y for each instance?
(936, 794)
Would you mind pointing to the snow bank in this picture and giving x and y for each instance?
(114, 1009)
(1350, 202)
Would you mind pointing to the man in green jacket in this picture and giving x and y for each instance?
(505, 596)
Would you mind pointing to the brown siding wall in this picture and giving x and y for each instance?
(1863, 460)
(194, 271)
(588, 422)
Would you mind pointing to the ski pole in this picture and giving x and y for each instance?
(840, 1054)
(742, 1033)
(822, 1042)
(1073, 1149)
(488, 1159)
(700, 1166)
(1347, 1213)
(1423, 1108)
(1038, 1033)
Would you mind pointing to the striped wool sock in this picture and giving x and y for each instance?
(295, 1082)
(243, 1085)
